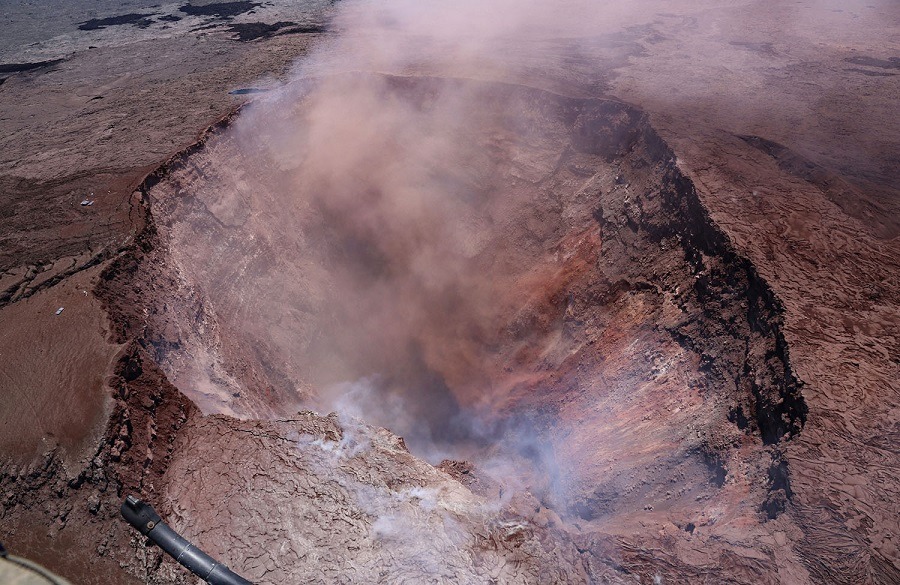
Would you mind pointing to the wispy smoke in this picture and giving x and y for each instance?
(422, 199)
(392, 240)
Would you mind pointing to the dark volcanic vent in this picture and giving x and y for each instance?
(531, 284)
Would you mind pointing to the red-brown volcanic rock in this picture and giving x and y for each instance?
(641, 353)
(652, 346)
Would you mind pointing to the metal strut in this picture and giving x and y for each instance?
(145, 519)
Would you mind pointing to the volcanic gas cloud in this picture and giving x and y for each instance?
(437, 228)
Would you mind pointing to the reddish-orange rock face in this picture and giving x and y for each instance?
(539, 291)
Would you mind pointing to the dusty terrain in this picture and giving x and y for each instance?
(636, 323)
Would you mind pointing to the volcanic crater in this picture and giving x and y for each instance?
(529, 291)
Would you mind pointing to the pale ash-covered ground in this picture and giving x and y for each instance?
(320, 501)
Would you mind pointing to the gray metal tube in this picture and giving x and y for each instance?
(145, 519)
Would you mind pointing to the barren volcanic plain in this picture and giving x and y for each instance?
(470, 292)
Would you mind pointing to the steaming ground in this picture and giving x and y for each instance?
(655, 368)
(529, 285)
